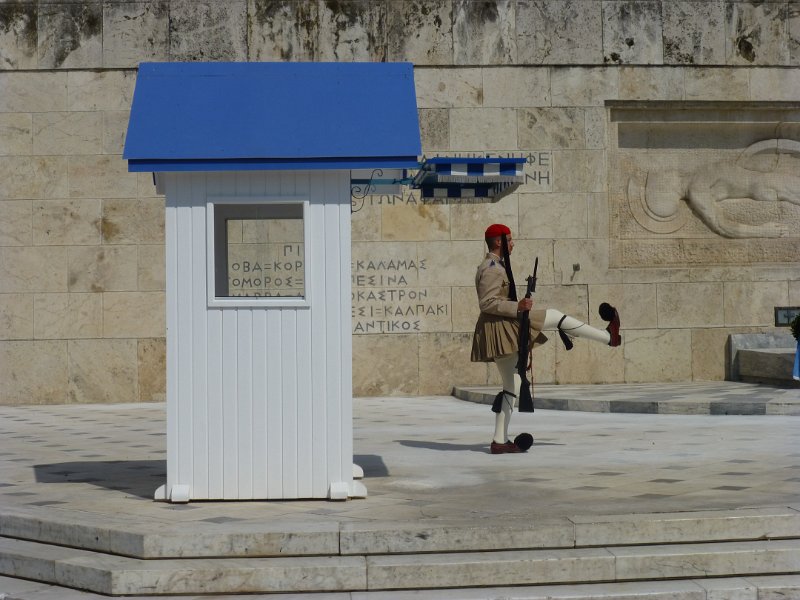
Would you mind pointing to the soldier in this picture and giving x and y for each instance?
(497, 330)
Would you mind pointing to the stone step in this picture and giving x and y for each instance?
(287, 538)
(118, 575)
(770, 587)
(583, 565)
(773, 587)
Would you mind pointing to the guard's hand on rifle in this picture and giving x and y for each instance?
(525, 304)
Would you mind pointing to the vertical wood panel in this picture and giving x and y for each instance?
(184, 331)
(216, 395)
(200, 451)
(333, 327)
(316, 265)
(345, 326)
(274, 406)
(230, 443)
(289, 398)
(171, 260)
(245, 401)
(215, 409)
(260, 393)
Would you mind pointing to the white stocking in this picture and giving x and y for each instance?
(574, 328)
(507, 366)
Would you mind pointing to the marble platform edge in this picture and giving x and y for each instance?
(584, 565)
(105, 534)
(551, 400)
(769, 587)
(119, 575)
(116, 575)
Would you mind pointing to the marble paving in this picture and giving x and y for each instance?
(425, 460)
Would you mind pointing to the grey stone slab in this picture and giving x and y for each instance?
(37, 527)
(559, 32)
(756, 34)
(135, 32)
(632, 33)
(740, 341)
(207, 30)
(390, 538)
(777, 587)
(284, 538)
(789, 407)
(690, 560)
(732, 588)
(480, 568)
(744, 524)
(584, 404)
(434, 127)
(70, 35)
(29, 560)
(420, 31)
(694, 32)
(631, 590)
(737, 408)
(484, 33)
(18, 36)
(683, 407)
(633, 406)
(767, 364)
(120, 576)
(793, 26)
(352, 30)
(282, 30)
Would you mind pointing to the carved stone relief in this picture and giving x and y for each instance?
(703, 184)
(721, 193)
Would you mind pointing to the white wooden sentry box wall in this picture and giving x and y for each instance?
(263, 392)
(259, 391)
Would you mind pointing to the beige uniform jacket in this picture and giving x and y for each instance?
(497, 330)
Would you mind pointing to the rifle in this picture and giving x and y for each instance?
(525, 396)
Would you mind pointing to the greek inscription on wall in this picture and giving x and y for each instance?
(266, 257)
(268, 270)
(385, 299)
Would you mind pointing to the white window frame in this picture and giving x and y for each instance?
(215, 301)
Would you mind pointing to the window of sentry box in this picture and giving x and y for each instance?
(259, 252)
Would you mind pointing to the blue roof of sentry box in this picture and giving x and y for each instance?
(254, 116)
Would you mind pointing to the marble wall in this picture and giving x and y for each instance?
(596, 95)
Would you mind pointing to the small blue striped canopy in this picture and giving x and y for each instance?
(457, 177)
(261, 116)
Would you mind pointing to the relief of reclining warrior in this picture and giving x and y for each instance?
(768, 171)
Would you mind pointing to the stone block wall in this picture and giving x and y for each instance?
(588, 91)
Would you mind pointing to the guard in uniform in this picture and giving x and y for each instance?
(496, 337)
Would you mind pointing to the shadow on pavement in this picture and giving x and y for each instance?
(137, 477)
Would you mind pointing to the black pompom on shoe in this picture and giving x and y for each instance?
(610, 314)
(523, 441)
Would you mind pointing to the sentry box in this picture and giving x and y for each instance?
(256, 162)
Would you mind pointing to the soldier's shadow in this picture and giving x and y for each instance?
(445, 446)
(136, 477)
(448, 447)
